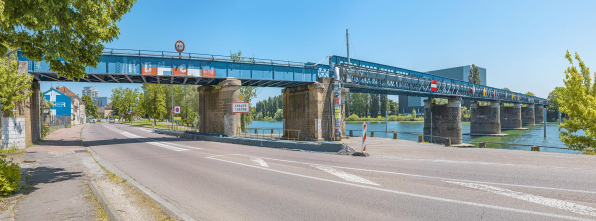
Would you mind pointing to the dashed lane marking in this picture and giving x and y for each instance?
(166, 145)
(555, 203)
(259, 161)
(346, 176)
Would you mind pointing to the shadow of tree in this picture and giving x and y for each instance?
(47, 175)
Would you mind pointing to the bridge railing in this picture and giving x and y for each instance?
(378, 78)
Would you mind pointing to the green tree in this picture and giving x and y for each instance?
(154, 101)
(413, 114)
(552, 111)
(507, 89)
(374, 105)
(73, 30)
(90, 107)
(125, 98)
(577, 101)
(384, 105)
(279, 115)
(530, 94)
(474, 76)
(14, 86)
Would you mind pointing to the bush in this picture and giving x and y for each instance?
(268, 118)
(10, 176)
(279, 115)
(352, 117)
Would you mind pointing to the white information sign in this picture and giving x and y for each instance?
(240, 107)
(177, 109)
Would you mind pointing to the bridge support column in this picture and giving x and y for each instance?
(442, 121)
(539, 114)
(511, 117)
(528, 117)
(485, 120)
(309, 109)
(216, 108)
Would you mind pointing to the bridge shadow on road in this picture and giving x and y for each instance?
(116, 141)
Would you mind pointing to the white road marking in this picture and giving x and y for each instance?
(469, 162)
(166, 145)
(433, 177)
(346, 176)
(555, 203)
(259, 161)
(411, 194)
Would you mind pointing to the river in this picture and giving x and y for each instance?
(533, 136)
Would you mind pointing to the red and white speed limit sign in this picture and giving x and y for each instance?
(179, 46)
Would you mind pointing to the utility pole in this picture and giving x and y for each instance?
(348, 44)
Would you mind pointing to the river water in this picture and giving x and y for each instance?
(411, 130)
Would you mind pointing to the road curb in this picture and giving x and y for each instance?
(104, 202)
(164, 205)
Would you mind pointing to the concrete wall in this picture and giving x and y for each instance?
(13, 133)
(216, 108)
(527, 115)
(511, 117)
(485, 119)
(442, 121)
(310, 110)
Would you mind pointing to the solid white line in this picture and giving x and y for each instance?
(346, 176)
(151, 141)
(259, 161)
(432, 177)
(180, 145)
(412, 194)
(555, 203)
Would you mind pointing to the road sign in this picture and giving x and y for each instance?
(179, 46)
(473, 89)
(240, 96)
(240, 107)
(177, 109)
(177, 118)
(172, 111)
(433, 85)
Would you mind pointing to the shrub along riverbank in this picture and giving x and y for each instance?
(355, 117)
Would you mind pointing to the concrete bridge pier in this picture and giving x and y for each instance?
(442, 121)
(511, 117)
(528, 117)
(485, 120)
(309, 109)
(539, 114)
(216, 108)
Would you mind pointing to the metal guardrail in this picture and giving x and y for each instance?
(271, 133)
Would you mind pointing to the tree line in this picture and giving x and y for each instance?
(373, 105)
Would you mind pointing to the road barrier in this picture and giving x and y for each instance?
(271, 133)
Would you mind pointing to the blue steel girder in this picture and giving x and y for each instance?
(369, 79)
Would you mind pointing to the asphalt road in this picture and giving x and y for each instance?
(218, 181)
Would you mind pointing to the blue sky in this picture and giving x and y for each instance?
(521, 43)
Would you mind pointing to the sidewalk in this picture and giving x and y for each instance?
(58, 185)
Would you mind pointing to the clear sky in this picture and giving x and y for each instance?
(520, 43)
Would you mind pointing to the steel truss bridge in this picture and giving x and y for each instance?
(141, 66)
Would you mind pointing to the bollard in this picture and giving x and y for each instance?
(482, 145)
(351, 133)
(395, 135)
(420, 139)
(535, 148)
(447, 142)
(372, 134)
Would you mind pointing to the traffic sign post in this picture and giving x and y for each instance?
(176, 109)
(179, 46)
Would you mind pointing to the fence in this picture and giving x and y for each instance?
(54, 122)
(274, 134)
(448, 140)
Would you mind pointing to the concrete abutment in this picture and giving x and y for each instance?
(216, 108)
(539, 114)
(443, 121)
(485, 120)
(527, 115)
(511, 117)
(310, 110)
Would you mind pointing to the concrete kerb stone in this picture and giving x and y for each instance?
(103, 201)
(164, 205)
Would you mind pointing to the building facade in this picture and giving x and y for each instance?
(78, 114)
(409, 103)
(91, 91)
(100, 101)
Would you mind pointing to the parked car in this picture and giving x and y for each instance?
(112, 120)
